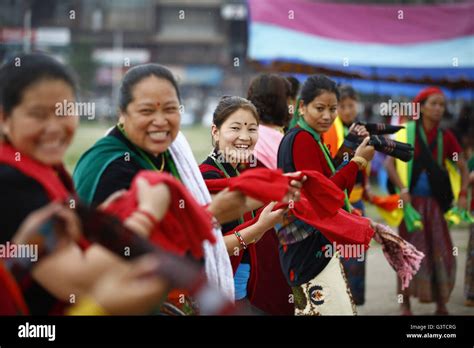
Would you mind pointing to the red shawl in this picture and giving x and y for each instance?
(320, 204)
(266, 185)
(56, 181)
(184, 227)
(58, 186)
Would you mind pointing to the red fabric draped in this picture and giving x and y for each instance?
(320, 196)
(58, 186)
(320, 207)
(48, 177)
(341, 228)
(265, 185)
(185, 225)
(320, 203)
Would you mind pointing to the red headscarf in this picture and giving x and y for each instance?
(425, 93)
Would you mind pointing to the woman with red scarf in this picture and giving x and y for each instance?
(148, 137)
(424, 182)
(36, 137)
(31, 170)
(317, 281)
(235, 133)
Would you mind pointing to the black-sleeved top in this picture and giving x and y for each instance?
(119, 174)
(20, 195)
(216, 175)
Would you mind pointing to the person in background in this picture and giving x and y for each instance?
(273, 292)
(293, 93)
(419, 184)
(469, 273)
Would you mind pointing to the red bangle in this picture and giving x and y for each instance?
(149, 216)
(241, 240)
(463, 193)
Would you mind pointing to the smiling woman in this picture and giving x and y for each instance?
(32, 175)
(31, 156)
(150, 113)
(147, 137)
(235, 130)
(235, 133)
(149, 121)
(29, 92)
(28, 109)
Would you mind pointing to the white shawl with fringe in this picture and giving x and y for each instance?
(217, 262)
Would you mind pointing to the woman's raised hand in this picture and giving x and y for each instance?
(154, 199)
(359, 130)
(365, 151)
(269, 218)
(294, 188)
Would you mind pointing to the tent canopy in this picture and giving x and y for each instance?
(379, 47)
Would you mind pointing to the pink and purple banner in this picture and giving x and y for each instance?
(434, 36)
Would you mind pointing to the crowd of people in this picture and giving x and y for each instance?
(141, 228)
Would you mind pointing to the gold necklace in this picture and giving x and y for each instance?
(162, 161)
(142, 153)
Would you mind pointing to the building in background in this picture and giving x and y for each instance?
(203, 42)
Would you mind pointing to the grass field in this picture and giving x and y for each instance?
(199, 138)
